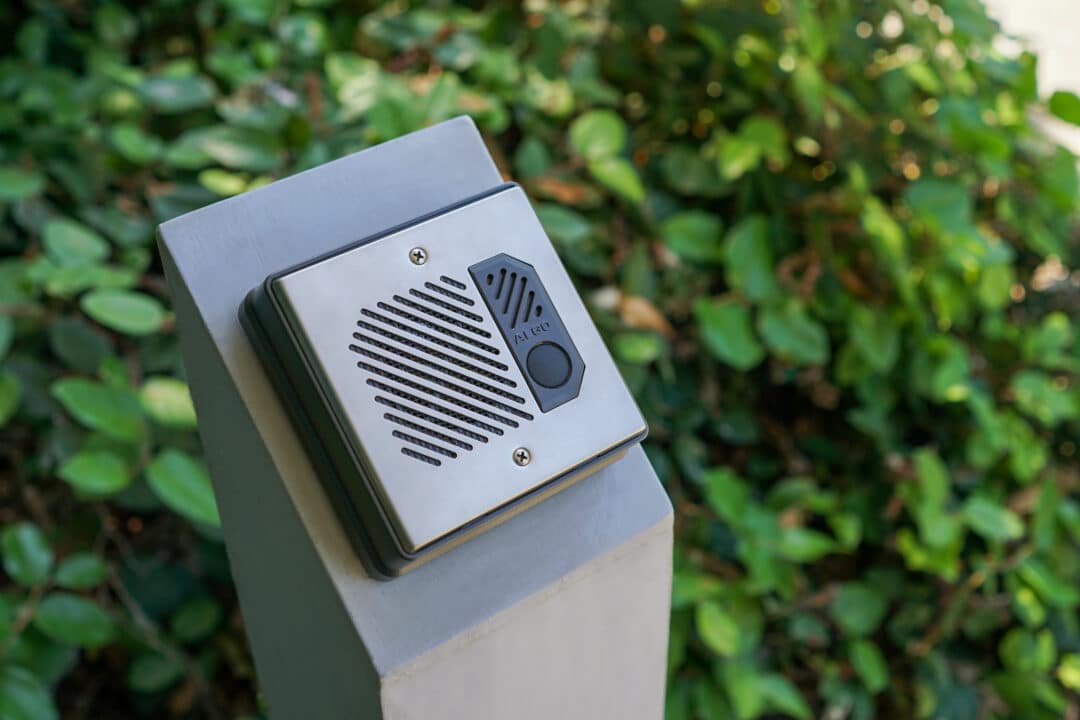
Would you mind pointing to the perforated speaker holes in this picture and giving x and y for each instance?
(439, 377)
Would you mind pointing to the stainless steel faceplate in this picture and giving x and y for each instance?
(386, 336)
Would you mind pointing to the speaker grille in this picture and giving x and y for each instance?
(511, 296)
(434, 369)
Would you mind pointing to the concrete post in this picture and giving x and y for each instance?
(561, 612)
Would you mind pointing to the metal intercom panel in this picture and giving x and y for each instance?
(443, 375)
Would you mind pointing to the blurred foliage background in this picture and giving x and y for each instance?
(826, 243)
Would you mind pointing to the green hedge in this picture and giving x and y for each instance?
(824, 240)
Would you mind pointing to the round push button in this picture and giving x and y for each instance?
(548, 365)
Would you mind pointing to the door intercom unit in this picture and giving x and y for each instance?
(443, 376)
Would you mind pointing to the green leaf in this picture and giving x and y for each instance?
(812, 30)
(726, 493)
(869, 665)
(181, 482)
(10, 396)
(77, 344)
(727, 334)
(152, 673)
(718, 629)
(186, 152)
(923, 76)
(23, 696)
(27, 554)
(780, 695)
(1027, 651)
(115, 25)
(802, 545)
(256, 12)
(639, 348)
(995, 282)
(196, 620)
(7, 335)
(134, 144)
(858, 608)
(1047, 344)
(18, 184)
(112, 411)
(95, 472)
(1027, 453)
(677, 702)
(688, 172)
(1027, 607)
(1066, 105)
(619, 176)
(1068, 671)
(74, 619)
(768, 135)
(708, 701)
(944, 369)
(1061, 183)
(944, 204)
(991, 520)
(81, 571)
(749, 261)
(222, 182)
(125, 311)
(742, 682)
(70, 243)
(564, 225)
(65, 281)
(737, 157)
(305, 33)
(759, 138)
(168, 401)
(792, 335)
(240, 148)
(689, 589)
(1051, 586)
(178, 94)
(875, 336)
(810, 88)
(889, 243)
(1040, 396)
(598, 134)
(532, 158)
(694, 235)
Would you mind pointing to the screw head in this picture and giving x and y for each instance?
(522, 457)
(418, 256)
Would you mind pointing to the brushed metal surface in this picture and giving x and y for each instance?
(426, 502)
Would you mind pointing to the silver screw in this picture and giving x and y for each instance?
(522, 457)
(418, 256)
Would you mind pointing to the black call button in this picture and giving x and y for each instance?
(549, 365)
